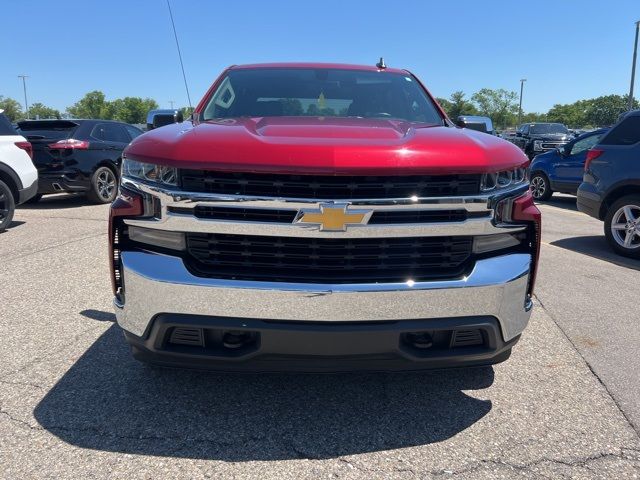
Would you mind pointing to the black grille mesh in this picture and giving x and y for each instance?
(327, 260)
(327, 186)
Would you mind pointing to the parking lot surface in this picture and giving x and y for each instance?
(74, 404)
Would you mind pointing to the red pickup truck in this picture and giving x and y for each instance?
(322, 217)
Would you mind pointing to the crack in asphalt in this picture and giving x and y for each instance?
(574, 462)
(46, 356)
(49, 217)
(615, 402)
(13, 259)
(23, 384)
(626, 454)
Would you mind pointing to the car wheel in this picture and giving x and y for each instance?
(104, 186)
(540, 187)
(7, 206)
(622, 226)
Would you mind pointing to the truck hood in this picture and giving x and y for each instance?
(325, 145)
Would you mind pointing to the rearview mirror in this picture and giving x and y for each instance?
(475, 122)
(160, 118)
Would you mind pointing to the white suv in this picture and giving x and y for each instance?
(18, 176)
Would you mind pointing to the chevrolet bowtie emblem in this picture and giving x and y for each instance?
(333, 217)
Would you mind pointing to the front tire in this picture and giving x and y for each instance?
(104, 186)
(541, 187)
(622, 226)
(7, 206)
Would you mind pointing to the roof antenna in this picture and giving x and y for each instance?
(381, 64)
(186, 87)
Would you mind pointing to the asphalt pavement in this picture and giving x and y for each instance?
(74, 404)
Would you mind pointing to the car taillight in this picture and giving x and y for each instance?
(26, 146)
(591, 155)
(127, 204)
(524, 210)
(69, 144)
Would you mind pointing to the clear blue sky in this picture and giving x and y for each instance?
(567, 50)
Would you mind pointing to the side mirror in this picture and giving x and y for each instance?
(518, 134)
(475, 122)
(160, 118)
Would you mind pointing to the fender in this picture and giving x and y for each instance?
(8, 171)
(617, 190)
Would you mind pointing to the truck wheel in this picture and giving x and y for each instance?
(622, 226)
(7, 206)
(540, 187)
(104, 186)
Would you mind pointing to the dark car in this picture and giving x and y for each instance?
(610, 190)
(561, 169)
(78, 155)
(536, 138)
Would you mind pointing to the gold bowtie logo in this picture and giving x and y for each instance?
(333, 217)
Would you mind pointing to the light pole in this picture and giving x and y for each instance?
(24, 87)
(522, 80)
(633, 66)
(171, 104)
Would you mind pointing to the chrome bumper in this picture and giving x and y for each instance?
(156, 284)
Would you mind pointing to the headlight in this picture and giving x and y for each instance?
(150, 172)
(503, 179)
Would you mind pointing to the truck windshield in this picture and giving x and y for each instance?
(320, 92)
(544, 128)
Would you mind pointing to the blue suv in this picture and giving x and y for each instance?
(561, 169)
(610, 190)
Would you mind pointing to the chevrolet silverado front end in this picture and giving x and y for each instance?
(322, 218)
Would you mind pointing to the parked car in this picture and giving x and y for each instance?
(78, 155)
(18, 176)
(610, 190)
(476, 122)
(561, 169)
(307, 217)
(536, 138)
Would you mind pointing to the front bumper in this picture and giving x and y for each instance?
(159, 290)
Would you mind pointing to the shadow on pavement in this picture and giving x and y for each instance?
(58, 200)
(107, 401)
(566, 202)
(596, 246)
(13, 224)
(99, 315)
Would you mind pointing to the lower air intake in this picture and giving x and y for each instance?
(466, 338)
(187, 336)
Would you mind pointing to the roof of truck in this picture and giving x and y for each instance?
(341, 66)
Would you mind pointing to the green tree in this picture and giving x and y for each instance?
(573, 115)
(460, 105)
(92, 105)
(603, 111)
(11, 107)
(500, 105)
(291, 107)
(534, 117)
(39, 110)
(186, 112)
(445, 104)
(132, 109)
